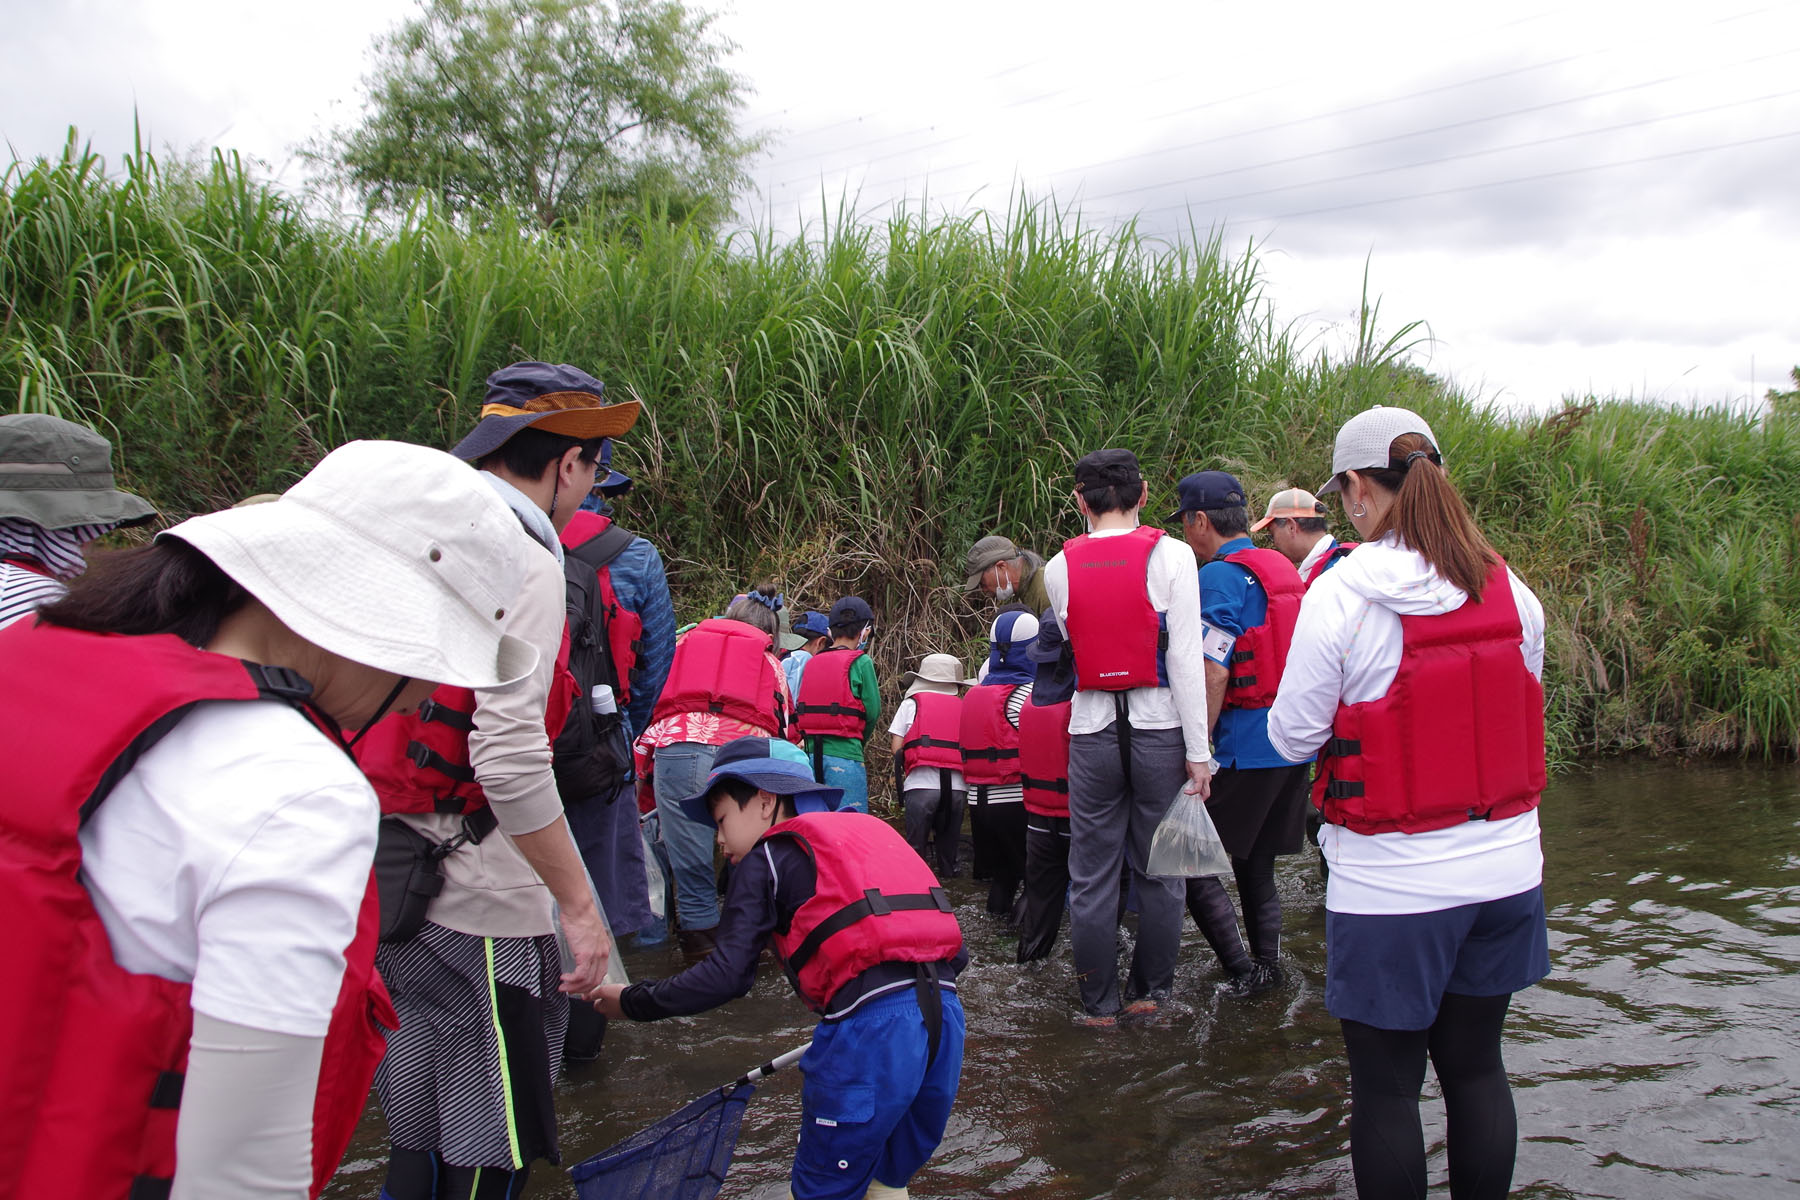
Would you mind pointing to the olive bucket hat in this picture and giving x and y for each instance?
(58, 475)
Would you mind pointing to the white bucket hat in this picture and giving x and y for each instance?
(936, 673)
(1365, 439)
(391, 555)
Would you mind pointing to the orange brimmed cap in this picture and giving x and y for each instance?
(554, 397)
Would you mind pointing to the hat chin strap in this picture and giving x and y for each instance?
(381, 712)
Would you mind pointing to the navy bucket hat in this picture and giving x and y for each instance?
(554, 397)
(767, 763)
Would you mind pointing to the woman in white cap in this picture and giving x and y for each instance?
(1415, 670)
(56, 496)
(928, 758)
(192, 1009)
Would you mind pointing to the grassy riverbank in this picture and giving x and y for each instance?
(850, 412)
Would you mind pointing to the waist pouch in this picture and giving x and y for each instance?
(409, 870)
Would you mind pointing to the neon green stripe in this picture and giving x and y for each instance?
(512, 1127)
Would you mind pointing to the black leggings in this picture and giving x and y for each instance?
(1387, 1070)
(416, 1175)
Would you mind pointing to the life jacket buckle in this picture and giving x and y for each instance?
(878, 905)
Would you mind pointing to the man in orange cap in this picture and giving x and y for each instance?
(1298, 529)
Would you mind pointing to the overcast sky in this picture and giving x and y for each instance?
(1575, 198)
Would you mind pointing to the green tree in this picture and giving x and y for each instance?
(550, 109)
(1782, 403)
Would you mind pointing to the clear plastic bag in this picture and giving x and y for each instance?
(1187, 844)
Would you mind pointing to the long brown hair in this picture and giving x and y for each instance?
(165, 587)
(1429, 514)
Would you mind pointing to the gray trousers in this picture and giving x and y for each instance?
(1111, 820)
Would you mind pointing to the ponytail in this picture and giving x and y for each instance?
(1429, 514)
(165, 587)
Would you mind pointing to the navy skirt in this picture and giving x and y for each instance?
(1391, 971)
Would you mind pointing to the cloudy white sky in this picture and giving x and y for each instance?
(1582, 197)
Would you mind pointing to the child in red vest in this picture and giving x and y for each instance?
(882, 1071)
(839, 703)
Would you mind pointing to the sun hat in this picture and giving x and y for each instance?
(1055, 664)
(1204, 490)
(786, 640)
(937, 673)
(771, 764)
(555, 397)
(391, 555)
(983, 554)
(1293, 504)
(611, 483)
(58, 475)
(1366, 441)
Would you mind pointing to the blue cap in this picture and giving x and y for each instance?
(771, 764)
(1207, 489)
(813, 624)
(852, 610)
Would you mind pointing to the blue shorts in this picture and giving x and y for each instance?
(1390, 971)
(870, 1107)
(849, 774)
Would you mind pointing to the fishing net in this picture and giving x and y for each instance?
(684, 1156)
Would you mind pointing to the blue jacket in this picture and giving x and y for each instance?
(642, 586)
(1231, 601)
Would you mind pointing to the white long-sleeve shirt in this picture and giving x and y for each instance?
(1347, 648)
(1172, 579)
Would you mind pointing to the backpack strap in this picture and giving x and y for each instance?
(603, 547)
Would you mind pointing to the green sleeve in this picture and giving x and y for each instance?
(865, 687)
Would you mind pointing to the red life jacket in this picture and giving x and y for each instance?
(1329, 559)
(723, 666)
(1044, 758)
(1459, 736)
(91, 1055)
(934, 738)
(1259, 655)
(876, 901)
(1117, 637)
(990, 742)
(418, 762)
(826, 707)
(596, 541)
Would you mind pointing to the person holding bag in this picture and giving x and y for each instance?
(1415, 669)
(191, 1007)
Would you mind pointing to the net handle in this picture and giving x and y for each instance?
(773, 1065)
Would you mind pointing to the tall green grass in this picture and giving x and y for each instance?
(850, 410)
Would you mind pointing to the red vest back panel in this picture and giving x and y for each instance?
(624, 628)
(1459, 735)
(722, 666)
(826, 706)
(990, 743)
(935, 737)
(1044, 758)
(1117, 636)
(418, 762)
(843, 930)
(93, 1055)
(1328, 560)
(1259, 655)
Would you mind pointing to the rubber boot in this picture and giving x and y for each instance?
(1210, 905)
(1262, 917)
(696, 944)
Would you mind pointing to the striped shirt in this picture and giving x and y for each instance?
(58, 551)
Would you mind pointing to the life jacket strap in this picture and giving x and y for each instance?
(1339, 747)
(873, 904)
(425, 758)
(1045, 785)
(1344, 789)
(996, 753)
(431, 710)
(833, 709)
(931, 1007)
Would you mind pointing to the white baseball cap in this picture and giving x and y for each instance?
(392, 555)
(1366, 439)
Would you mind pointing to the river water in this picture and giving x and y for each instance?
(1660, 1059)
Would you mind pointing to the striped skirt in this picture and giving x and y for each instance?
(469, 1073)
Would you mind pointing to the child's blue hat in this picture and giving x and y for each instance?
(771, 764)
(813, 624)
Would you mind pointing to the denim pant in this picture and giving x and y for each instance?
(681, 772)
(849, 774)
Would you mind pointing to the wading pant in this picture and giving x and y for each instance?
(1046, 882)
(1112, 817)
(935, 815)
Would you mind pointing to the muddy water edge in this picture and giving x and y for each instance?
(1660, 1059)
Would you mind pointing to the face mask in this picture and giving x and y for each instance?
(1003, 593)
